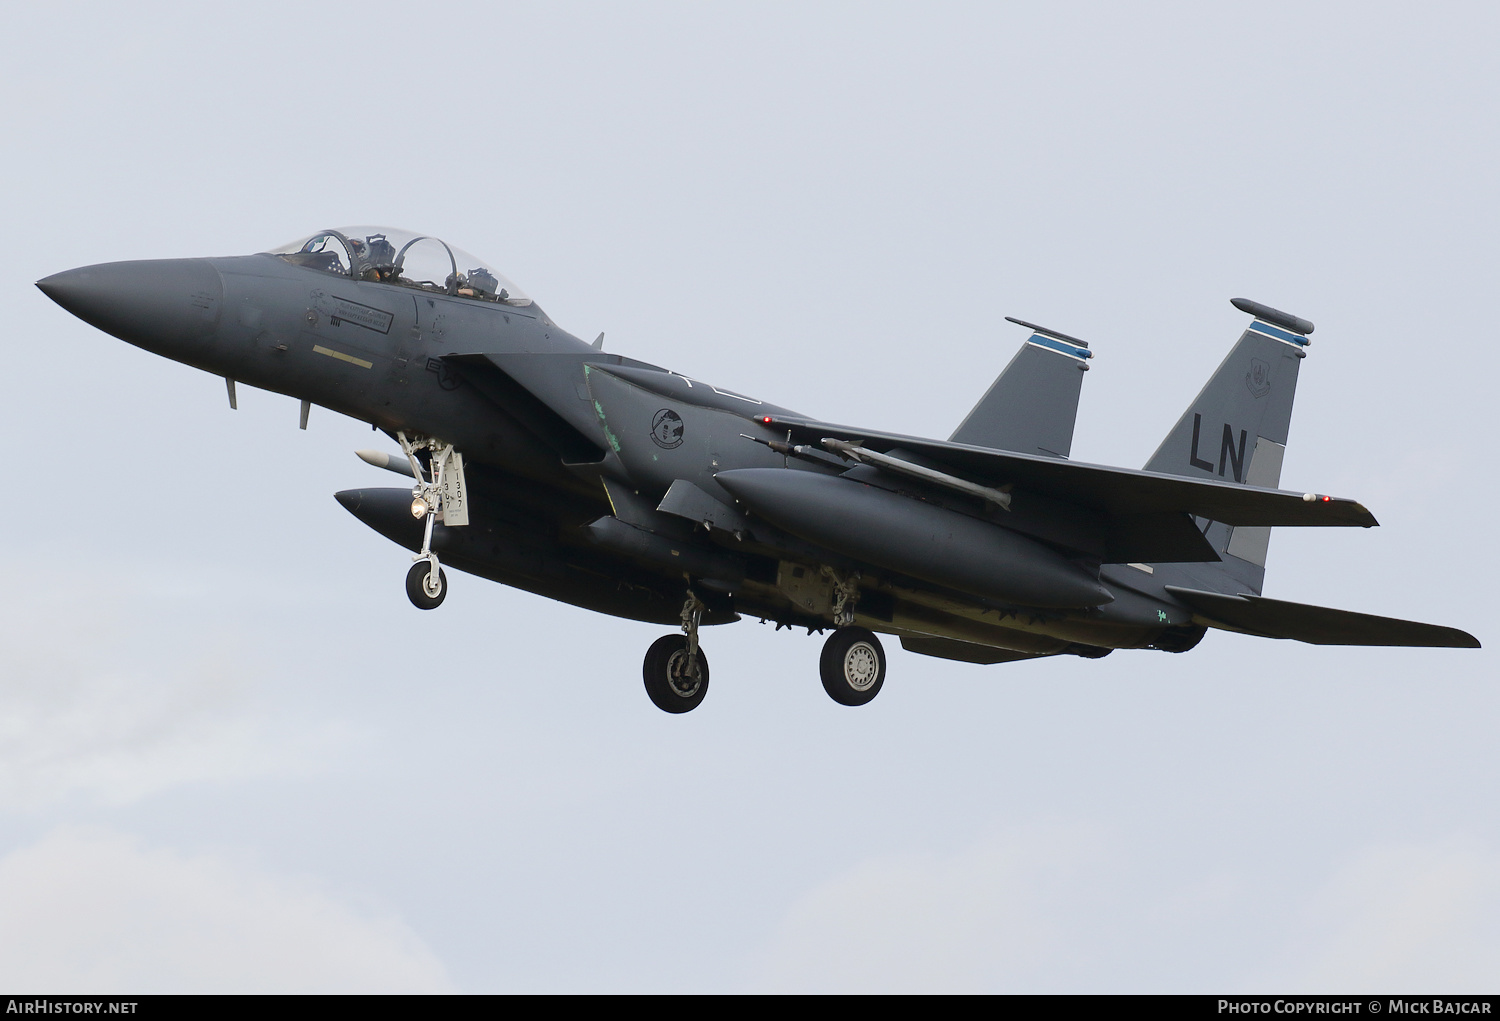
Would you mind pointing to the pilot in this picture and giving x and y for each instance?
(380, 257)
(315, 254)
(377, 256)
(481, 284)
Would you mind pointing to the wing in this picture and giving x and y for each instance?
(1117, 492)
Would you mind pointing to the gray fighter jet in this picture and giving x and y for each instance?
(542, 462)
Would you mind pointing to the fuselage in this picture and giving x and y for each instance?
(559, 435)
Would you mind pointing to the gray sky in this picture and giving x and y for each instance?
(233, 757)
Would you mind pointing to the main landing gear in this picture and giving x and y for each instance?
(676, 670)
(852, 666)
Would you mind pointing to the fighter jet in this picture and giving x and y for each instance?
(540, 461)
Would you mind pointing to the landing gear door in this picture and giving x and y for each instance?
(455, 491)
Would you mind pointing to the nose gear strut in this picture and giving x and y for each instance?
(437, 494)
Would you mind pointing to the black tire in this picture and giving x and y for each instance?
(669, 688)
(852, 666)
(416, 586)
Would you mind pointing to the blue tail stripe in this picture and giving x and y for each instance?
(1042, 340)
(1262, 327)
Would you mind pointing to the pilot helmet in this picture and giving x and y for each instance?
(381, 253)
(483, 281)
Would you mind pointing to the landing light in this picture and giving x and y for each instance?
(418, 507)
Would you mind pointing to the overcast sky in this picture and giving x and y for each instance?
(233, 756)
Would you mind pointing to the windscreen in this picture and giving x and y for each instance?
(402, 258)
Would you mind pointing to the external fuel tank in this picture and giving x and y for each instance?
(916, 538)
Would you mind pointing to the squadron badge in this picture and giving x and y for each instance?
(1258, 379)
(666, 429)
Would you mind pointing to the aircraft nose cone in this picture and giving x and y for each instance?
(159, 304)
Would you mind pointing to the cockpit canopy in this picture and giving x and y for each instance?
(391, 256)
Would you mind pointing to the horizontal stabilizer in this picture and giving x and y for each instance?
(1316, 625)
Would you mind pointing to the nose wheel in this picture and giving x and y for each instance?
(426, 584)
(852, 666)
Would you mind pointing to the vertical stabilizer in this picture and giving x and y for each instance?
(1031, 407)
(1236, 428)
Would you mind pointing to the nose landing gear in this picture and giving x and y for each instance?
(443, 496)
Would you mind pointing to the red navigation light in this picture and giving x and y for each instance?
(766, 419)
(1327, 499)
